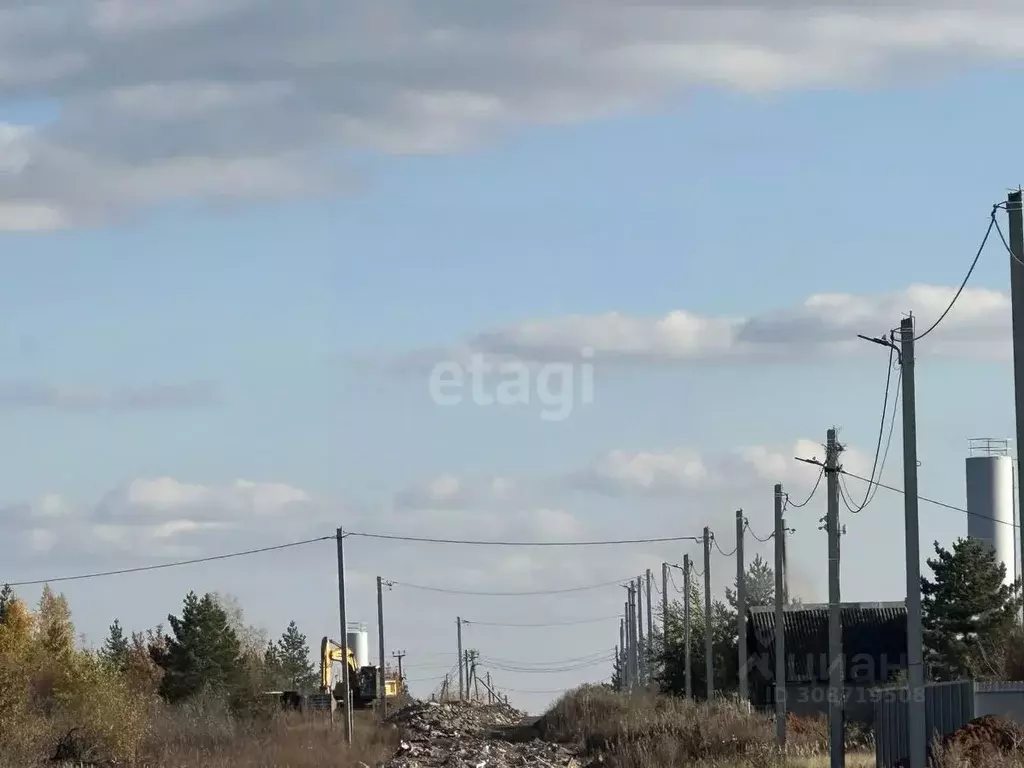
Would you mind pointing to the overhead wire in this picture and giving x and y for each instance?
(160, 566)
(557, 662)
(788, 501)
(936, 502)
(509, 543)
(988, 231)
(877, 468)
(769, 537)
(540, 625)
(564, 590)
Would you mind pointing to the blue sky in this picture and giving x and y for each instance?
(725, 202)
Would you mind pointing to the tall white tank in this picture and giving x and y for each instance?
(359, 642)
(990, 500)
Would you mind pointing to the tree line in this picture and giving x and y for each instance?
(970, 618)
(206, 648)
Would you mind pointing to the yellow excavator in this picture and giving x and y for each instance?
(361, 680)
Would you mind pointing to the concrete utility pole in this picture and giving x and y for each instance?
(634, 637)
(709, 661)
(650, 632)
(381, 688)
(836, 663)
(628, 644)
(664, 606)
(458, 632)
(623, 671)
(343, 619)
(915, 634)
(780, 625)
(641, 644)
(687, 666)
(741, 609)
(1016, 236)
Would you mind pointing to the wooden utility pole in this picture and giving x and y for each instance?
(399, 655)
(650, 633)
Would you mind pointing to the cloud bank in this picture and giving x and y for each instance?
(824, 326)
(256, 100)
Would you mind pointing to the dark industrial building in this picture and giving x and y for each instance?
(874, 644)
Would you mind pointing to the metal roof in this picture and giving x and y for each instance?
(874, 640)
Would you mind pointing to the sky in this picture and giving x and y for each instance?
(254, 251)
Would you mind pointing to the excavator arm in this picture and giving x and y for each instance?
(330, 652)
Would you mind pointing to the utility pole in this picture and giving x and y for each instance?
(490, 691)
(687, 666)
(628, 640)
(641, 645)
(343, 619)
(836, 663)
(622, 654)
(381, 687)
(634, 639)
(709, 661)
(664, 606)
(741, 609)
(915, 641)
(1016, 234)
(650, 632)
(399, 655)
(780, 624)
(458, 631)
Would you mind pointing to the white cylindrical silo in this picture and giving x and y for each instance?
(359, 642)
(990, 507)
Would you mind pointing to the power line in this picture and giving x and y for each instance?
(935, 501)
(876, 468)
(769, 537)
(499, 543)
(550, 624)
(991, 224)
(548, 670)
(177, 563)
(790, 503)
(511, 594)
(558, 662)
(727, 554)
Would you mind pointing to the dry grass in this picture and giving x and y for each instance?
(650, 731)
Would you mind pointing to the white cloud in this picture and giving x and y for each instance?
(148, 517)
(246, 99)
(824, 326)
(673, 472)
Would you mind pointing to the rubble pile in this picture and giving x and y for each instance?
(464, 735)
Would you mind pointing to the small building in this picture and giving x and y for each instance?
(874, 646)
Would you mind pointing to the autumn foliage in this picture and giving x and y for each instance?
(188, 697)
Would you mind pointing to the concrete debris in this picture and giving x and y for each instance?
(464, 735)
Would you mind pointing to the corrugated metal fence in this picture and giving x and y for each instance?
(947, 707)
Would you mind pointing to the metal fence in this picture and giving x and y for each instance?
(947, 707)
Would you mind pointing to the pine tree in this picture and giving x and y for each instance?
(292, 655)
(56, 630)
(115, 649)
(759, 583)
(204, 652)
(968, 612)
(6, 598)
